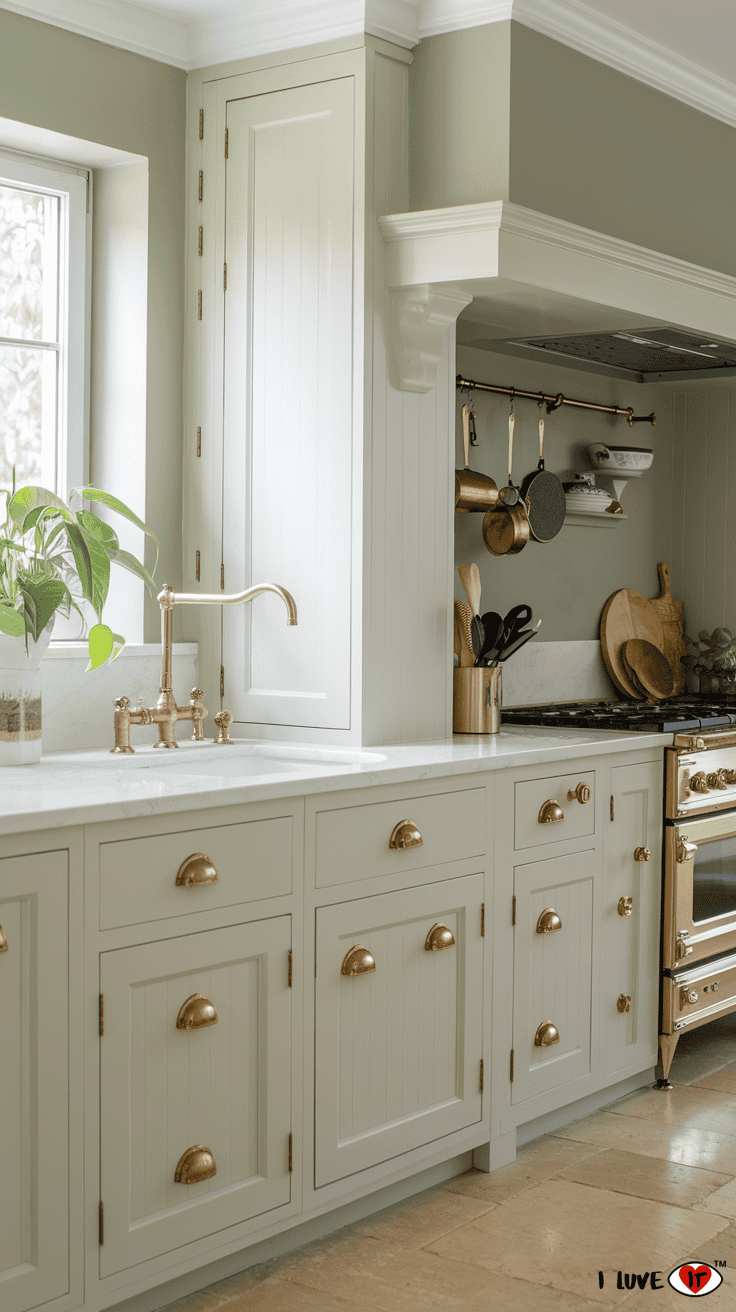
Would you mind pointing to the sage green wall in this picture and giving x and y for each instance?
(595, 147)
(70, 84)
(459, 99)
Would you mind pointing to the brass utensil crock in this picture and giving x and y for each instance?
(476, 706)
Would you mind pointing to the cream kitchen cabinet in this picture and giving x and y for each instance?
(41, 1166)
(630, 919)
(195, 1054)
(398, 1023)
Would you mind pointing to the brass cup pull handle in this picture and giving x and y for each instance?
(439, 937)
(642, 854)
(405, 834)
(197, 870)
(358, 961)
(546, 1035)
(549, 921)
(623, 1002)
(3, 940)
(625, 906)
(196, 1013)
(550, 813)
(196, 1164)
(581, 794)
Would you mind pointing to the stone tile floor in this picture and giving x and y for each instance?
(645, 1185)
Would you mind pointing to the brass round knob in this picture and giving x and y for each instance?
(625, 906)
(198, 869)
(546, 1035)
(196, 1013)
(581, 794)
(358, 961)
(3, 940)
(549, 921)
(405, 834)
(692, 996)
(642, 854)
(698, 783)
(439, 937)
(550, 813)
(623, 1002)
(196, 1164)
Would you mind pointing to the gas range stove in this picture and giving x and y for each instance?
(676, 715)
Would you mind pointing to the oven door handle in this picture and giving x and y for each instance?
(685, 850)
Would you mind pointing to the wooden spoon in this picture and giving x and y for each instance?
(470, 577)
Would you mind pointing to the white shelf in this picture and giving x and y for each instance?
(593, 520)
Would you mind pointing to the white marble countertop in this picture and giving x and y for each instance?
(72, 788)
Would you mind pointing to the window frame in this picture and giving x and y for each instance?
(73, 187)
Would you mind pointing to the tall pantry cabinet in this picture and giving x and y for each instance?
(305, 462)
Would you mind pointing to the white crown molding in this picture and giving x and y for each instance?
(440, 16)
(115, 23)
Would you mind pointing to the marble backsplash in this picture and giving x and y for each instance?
(555, 672)
(78, 708)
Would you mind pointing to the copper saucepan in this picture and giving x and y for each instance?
(473, 491)
(506, 529)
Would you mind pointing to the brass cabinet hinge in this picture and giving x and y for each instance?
(222, 680)
(612, 806)
(201, 124)
(513, 910)
(482, 919)
(201, 181)
(224, 277)
(222, 578)
(291, 966)
(102, 1014)
(291, 1152)
(199, 305)
(511, 1067)
(226, 141)
(196, 566)
(101, 1227)
(199, 441)
(481, 1074)
(199, 240)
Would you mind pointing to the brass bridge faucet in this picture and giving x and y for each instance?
(166, 712)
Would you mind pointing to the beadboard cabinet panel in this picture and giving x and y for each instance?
(397, 1050)
(164, 1090)
(34, 1080)
(288, 402)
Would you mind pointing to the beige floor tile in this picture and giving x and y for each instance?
(561, 1233)
(376, 1278)
(723, 1081)
(723, 1201)
(646, 1177)
(676, 1142)
(281, 1296)
(418, 1220)
(721, 1248)
(535, 1162)
(700, 1109)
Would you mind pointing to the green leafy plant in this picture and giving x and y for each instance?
(53, 558)
(714, 651)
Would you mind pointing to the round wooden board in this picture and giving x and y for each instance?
(627, 615)
(650, 667)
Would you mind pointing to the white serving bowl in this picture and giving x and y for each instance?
(625, 459)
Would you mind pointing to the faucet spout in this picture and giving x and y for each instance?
(167, 598)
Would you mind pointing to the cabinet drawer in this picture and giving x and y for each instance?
(578, 817)
(353, 842)
(138, 875)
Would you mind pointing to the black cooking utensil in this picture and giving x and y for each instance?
(518, 642)
(494, 630)
(477, 634)
(545, 498)
(517, 619)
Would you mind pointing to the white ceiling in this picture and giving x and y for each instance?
(682, 47)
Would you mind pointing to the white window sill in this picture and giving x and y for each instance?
(64, 651)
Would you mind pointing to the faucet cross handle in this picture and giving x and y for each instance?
(223, 720)
(122, 703)
(196, 694)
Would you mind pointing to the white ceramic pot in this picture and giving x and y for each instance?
(20, 698)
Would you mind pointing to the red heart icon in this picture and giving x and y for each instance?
(695, 1277)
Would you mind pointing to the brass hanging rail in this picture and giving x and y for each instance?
(554, 402)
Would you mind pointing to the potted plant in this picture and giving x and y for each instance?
(52, 559)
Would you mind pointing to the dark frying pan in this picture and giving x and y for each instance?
(545, 498)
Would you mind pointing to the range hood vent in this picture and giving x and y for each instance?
(647, 354)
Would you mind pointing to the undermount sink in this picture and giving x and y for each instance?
(240, 758)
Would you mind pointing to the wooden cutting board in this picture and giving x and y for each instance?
(671, 614)
(627, 615)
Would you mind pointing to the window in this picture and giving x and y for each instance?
(43, 297)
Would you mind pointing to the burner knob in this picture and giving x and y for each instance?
(698, 783)
(730, 776)
(717, 779)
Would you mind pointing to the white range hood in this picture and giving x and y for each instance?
(513, 274)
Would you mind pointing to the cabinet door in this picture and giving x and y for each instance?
(630, 965)
(288, 403)
(225, 1086)
(552, 973)
(398, 1050)
(34, 1076)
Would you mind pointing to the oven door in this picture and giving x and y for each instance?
(699, 890)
